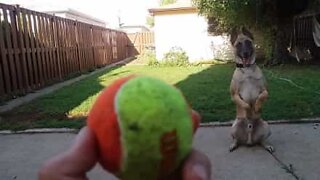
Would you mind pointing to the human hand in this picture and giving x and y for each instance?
(82, 156)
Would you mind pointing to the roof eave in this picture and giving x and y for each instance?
(162, 10)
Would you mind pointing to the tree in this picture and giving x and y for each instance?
(166, 2)
(272, 18)
(150, 21)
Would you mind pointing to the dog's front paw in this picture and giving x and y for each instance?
(257, 107)
(245, 106)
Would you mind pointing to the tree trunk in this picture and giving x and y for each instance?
(282, 35)
(285, 11)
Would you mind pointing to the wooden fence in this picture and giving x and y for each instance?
(37, 49)
(140, 41)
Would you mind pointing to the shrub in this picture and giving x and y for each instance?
(148, 57)
(175, 57)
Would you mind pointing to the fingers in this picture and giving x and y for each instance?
(196, 118)
(197, 167)
(75, 162)
(83, 155)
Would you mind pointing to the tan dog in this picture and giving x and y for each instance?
(248, 91)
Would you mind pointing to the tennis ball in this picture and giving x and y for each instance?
(143, 126)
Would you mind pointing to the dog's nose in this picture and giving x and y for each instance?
(246, 55)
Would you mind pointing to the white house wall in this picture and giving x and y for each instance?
(188, 31)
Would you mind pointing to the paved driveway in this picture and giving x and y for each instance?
(297, 147)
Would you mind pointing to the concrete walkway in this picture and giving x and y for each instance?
(297, 154)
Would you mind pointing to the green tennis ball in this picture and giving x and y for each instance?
(148, 131)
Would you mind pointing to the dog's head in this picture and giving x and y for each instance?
(242, 42)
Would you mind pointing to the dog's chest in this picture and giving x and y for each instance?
(250, 83)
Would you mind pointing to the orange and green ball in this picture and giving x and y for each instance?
(143, 126)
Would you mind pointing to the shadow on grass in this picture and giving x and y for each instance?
(206, 89)
(63, 108)
(208, 92)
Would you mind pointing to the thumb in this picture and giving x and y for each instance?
(75, 162)
(197, 167)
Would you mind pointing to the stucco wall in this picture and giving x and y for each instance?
(188, 31)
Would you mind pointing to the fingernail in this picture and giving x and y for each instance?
(200, 172)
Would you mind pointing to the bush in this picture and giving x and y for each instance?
(175, 57)
(148, 57)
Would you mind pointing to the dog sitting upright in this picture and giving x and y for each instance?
(248, 91)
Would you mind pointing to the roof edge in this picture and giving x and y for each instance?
(160, 10)
(76, 13)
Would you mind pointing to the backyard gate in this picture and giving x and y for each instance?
(140, 41)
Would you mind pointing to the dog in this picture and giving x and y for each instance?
(248, 91)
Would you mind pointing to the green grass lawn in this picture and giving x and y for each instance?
(294, 93)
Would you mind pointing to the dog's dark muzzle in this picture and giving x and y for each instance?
(245, 52)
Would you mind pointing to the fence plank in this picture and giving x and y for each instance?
(16, 50)
(85, 38)
(49, 47)
(38, 50)
(7, 27)
(5, 83)
(53, 48)
(68, 41)
(56, 40)
(24, 68)
(32, 50)
(66, 47)
(111, 46)
(82, 64)
(66, 35)
(62, 48)
(41, 48)
(72, 61)
(71, 46)
(27, 48)
(46, 47)
(75, 44)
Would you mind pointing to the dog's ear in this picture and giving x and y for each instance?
(246, 32)
(233, 35)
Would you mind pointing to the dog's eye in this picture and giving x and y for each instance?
(239, 44)
(248, 43)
